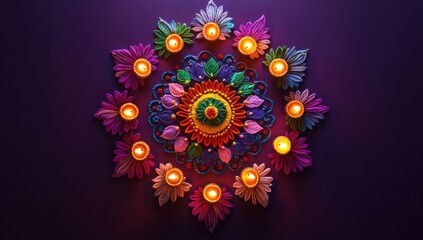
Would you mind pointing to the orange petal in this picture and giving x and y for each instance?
(188, 95)
(230, 135)
(214, 141)
(185, 122)
(183, 107)
(220, 87)
(237, 123)
(234, 129)
(198, 88)
(200, 138)
(215, 84)
(238, 106)
(186, 101)
(209, 84)
(182, 113)
(225, 89)
(194, 135)
(192, 92)
(189, 129)
(207, 141)
(204, 85)
(219, 141)
(235, 99)
(225, 137)
(231, 94)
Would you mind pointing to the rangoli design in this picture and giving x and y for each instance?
(211, 113)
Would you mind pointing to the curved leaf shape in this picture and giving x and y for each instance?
(211, 69)
(177, 90)
(252, 127)
(180, 144)
(237, 79)
(171, 132)
(183, 77)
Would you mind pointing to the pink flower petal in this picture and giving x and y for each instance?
(224, 154)
(176, 90)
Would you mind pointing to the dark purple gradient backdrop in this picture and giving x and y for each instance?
(365, 62)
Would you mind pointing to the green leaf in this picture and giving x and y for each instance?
(272, 53)
(159, 34)
(163, 28)
(211, 69)
(237, 79)
(283, 51)
(246, 89)
(159, 41)
(194, 151)
(162, 52)
(278, 53)
(183, 77)
(187, 41)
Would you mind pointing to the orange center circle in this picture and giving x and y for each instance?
(250, 177)
(211, 112)
(174, 43)
(142, 68)
(247, 45)
(294, 109)
(174, 177)
(278, 67)
(211, 31)
(128, 111)
(212, 192)
(140, 150)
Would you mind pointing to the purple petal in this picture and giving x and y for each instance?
(171, 132)
(252, 127)
(253, 101)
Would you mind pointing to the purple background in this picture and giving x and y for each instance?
(56, 158)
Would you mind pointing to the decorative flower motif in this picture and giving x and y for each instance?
(118, 113)
(291, 153)
(133, 66)
(287, 65)
(213, 23)
(209, 211)
(212, 114)
(166, 190)
(253, 183)
(303, 110)
(256, 32)
(170, 37)
(133, 157)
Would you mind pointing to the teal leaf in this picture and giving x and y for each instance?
(246, 89)
(194, 150)
(163, 28)
(183, 77)
(211, 69)
(237, 79)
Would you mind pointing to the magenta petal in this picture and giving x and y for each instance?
(253, 101)
(180, 144)
(177, 90)
(169, 102)
(252, 127)
(170, 132)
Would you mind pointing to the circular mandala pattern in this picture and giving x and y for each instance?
(212, 113)
(220, 108)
